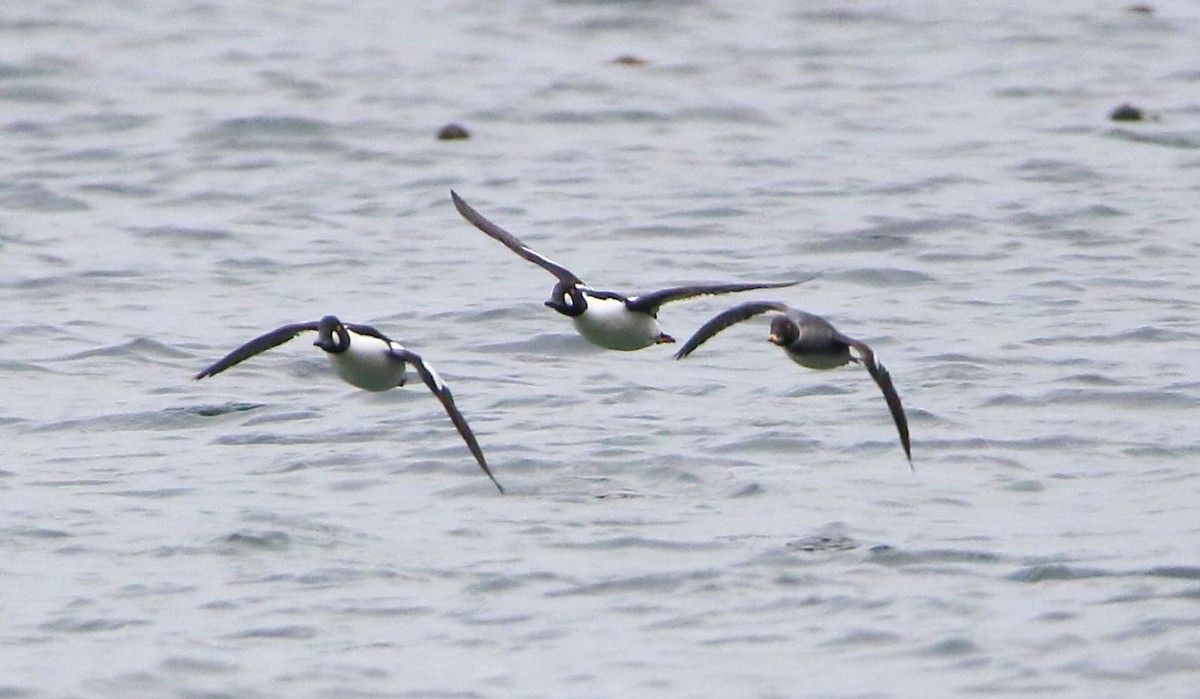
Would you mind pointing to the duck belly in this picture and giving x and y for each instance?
(820, 360)
(608, 323)
(368, 364)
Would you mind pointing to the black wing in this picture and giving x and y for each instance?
(368, 331)
(476, 219)
(726, 318)
(262, 343)
(442, 391)
(878, 372)
(649, 303)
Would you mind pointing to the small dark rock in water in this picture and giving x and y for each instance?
(629, 59)
(1126, 112)
(453, 132)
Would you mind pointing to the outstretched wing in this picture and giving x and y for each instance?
(878, 372)
(262, 343)
(442, 391)
(649, 303)
(512, 242)
(368, 331)
(726, 318)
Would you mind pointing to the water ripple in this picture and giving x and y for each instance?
(286, 133)
(637, 542)
(1033, 262)
(1074, 396)
(654, 583)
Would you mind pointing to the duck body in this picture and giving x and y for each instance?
(609, 323)
(364, 358)
(606, 318)
(812, 342)
(370, 363)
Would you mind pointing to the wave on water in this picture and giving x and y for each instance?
(1176, 140)
(265, 133)
(140, 348)
(1049, 572)
(165, 419)
(1132, 398)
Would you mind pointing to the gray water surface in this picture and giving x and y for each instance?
(179, 177)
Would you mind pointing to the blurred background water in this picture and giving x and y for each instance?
(178, 177)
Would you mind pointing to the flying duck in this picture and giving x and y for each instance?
(363, 357)
(810, 341)
(605, 318)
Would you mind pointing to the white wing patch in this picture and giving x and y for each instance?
(437, 379)
(541, 257)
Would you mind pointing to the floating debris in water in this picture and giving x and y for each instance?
(620, 495)
(831, 537)
(1126, 112)
(453, 132)
(628, 59)
(225, 409)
